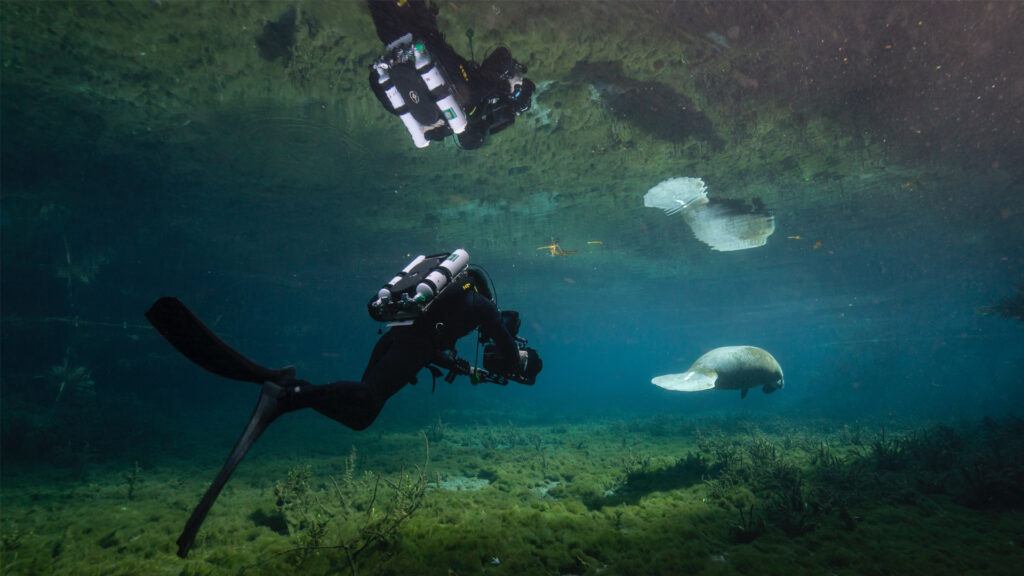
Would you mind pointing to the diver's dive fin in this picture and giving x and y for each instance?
(266, 412)
(743, 393)
(200, 345)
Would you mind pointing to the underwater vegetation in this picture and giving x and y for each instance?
(1009, 307)
(76, 380)
(657, 495)
(78, 271)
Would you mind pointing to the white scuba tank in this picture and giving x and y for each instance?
(436, 280)
(384, 295)
(415, 129)
(432, 77)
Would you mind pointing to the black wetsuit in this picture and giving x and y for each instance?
(401, 353)
(477, 89)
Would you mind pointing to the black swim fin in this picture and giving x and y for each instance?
(200, 345)
(266, 411)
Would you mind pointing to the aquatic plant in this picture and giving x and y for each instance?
(762, 452)
(436, 431)
(379, 505)
(1009, 307)
(635, 463)
(488, 439)
(537, 440)
(76, 379)
(11, 536)
(718, 488)
(782, 487)
(748, 528)
(311, 539)
(512, 436)
(852, 435)
(938, 448)
(78, 271)
(347, 488)
(888, 453)
(131, 478)
(291, 495)
(993, 466)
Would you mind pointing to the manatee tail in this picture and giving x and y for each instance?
(200, 345)
(687, 381)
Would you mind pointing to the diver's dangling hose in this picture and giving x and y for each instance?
(469, 36)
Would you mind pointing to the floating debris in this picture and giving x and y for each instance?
(556, 250)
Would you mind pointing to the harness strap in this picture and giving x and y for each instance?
(435, 372)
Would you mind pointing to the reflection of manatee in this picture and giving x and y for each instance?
(726, 225)
(677, 194)
(728, 368)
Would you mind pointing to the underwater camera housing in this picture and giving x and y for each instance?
(409, 294)
(513, 92)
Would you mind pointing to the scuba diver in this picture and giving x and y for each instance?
(429, 305)
(434, 91)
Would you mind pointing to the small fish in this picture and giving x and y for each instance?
(795, 237)
(595, 242)
(817, 245)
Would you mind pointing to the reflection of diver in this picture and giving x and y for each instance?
(434, 91)
(431, 304)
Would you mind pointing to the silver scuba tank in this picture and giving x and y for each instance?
(432, 77)
(437, 279)
(384, 294)
(415, 129)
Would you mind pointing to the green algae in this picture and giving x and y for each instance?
(721, 496)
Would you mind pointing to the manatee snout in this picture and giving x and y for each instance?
(773, 386)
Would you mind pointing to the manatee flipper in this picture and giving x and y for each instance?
(691, 381)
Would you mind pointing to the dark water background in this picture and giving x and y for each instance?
(879, 323)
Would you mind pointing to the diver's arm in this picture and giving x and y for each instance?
(489, 317)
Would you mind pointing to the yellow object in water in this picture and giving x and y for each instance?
(556, 250)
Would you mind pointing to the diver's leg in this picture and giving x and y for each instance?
(394, 19)
(395, 360)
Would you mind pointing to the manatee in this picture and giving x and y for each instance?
(727, 225)
(727, 368)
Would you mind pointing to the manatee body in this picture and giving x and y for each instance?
(727, 368)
